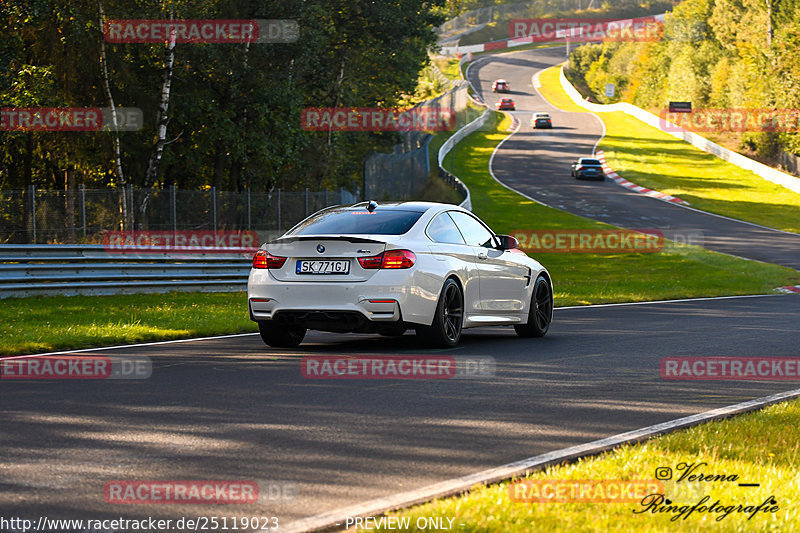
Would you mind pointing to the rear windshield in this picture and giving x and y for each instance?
(590, 162)
(359, 222)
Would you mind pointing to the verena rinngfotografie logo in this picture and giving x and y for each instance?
(642, 29)
(730, 368)
(732, 120)
(22, 119)
(202, 31)
(377, 119)
(51, 367)
(589, 241)
(181, 241)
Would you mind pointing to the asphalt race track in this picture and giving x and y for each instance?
(537, 163)
(231, 409)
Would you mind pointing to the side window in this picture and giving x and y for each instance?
(443, 229)
(475, 234)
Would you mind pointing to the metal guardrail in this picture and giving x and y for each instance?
(46, 270)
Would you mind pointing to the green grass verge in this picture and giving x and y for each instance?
(448, 67)
(678, 271)
(43, 324)
(761, 447)
(656, 160)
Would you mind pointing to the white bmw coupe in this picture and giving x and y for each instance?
(386, 268)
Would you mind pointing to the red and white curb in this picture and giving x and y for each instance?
(790, 289)
(619, 180)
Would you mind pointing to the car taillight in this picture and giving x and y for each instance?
(581, 167)
(264, 259)
(390, 259)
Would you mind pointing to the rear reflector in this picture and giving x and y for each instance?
(264, 259)
(390, 259)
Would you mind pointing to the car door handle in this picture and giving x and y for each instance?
(483, 256)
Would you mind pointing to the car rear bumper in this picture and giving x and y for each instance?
(598, 177)
(386, 298)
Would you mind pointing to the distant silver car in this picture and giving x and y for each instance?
(588, 168)
(386, 268)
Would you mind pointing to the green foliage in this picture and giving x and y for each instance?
(234, 110)
(714, 53)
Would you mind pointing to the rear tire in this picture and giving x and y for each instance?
(540, 314)
(280, 336)
(445, 331)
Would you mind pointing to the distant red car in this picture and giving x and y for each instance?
(505, 104)
(500, 86)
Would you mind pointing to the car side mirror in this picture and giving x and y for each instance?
(507, 242)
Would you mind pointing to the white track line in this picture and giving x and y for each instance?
(453, 487)
(156, 343)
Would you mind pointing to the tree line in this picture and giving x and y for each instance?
(215, 114)
(715, 54)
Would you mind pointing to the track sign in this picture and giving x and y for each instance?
(610, 90)
(680, 107)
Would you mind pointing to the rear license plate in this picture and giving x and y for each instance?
(323, 267)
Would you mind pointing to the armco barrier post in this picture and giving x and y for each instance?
(174, 209)
(278, 210)
(83, 210)
(248, 207)
(214, 207)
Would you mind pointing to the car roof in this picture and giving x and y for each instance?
(589, 159)
(500, 80)
(419, 207)
(542, 114)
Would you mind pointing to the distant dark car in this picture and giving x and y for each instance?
(506, 104)
(585, 168)
(500, 86)
(541, 120)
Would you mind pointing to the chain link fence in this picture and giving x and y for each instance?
(477, 18)
(84, 215)
(404, 172)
